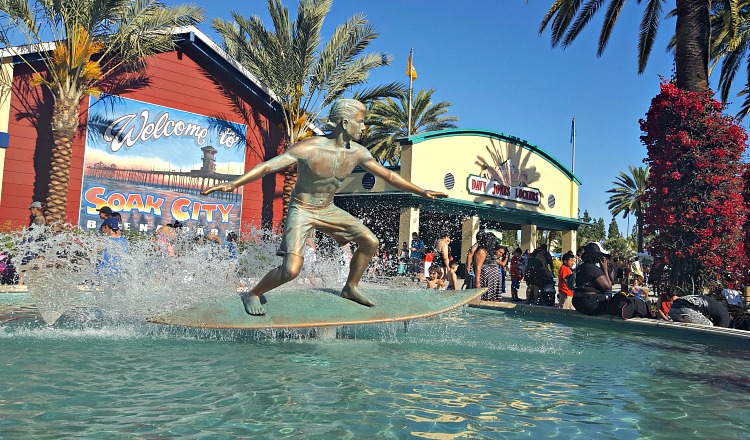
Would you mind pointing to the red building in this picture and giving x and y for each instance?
(197, 77)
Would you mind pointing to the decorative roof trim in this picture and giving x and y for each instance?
(422, 137)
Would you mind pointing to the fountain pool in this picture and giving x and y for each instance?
(468, 374)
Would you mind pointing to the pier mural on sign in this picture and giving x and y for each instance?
(150, 163)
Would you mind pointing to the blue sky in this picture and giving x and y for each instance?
(488, 60)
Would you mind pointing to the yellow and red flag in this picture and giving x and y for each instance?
(411, 72)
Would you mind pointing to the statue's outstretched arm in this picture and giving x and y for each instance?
(396, 180)
(274, 165)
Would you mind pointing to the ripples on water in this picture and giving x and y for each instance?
(102, 372)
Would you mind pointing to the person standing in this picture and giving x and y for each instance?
(486, 269)
(469, 279)
(538, 276)
(441, 258)
(105, 212)
(564, 285)
(36, 218)
(516, 274)
(110, 256)
(502, 262)
(416, 254)
(403, 259)
(547, 257)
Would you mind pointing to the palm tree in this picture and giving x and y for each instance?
(569, 17)
(730, 42)
(94, 41)
(304, 74)
(388, 119)
(627, 197)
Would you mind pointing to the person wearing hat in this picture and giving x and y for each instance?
(105, 212)
(110, 256)
(592, 281)
(37, 215)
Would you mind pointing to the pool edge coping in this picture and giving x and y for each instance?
(644, 323)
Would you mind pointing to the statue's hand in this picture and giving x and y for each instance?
(225, 187)
(434, 194)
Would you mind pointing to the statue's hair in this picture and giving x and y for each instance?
(342, 109)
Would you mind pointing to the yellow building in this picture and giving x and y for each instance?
(492, 179)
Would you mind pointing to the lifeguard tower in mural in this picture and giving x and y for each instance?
(487, 176)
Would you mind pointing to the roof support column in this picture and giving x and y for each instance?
(528, 237)
(408, 222)
(6, 80)
(569, 241)
(469, 229)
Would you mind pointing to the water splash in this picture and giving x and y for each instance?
(66, 271)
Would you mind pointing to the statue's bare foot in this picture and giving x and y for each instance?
(252, 304)
(354, 294)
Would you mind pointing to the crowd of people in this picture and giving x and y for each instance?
(584, 281)
(591, 281)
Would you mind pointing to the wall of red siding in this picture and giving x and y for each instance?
(175, 80)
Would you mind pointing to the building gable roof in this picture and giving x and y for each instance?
(422, 137)
(187, 38)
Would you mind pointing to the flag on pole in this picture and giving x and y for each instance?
(411, 72)
(573, 143)
(573, 130)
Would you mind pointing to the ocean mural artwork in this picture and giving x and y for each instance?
(150, 163)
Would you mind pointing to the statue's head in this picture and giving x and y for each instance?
(344, 109)
(347, 110)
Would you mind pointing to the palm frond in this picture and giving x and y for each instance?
(553, 10)
(587, 13)
(565, 15)
(610, 18)
(388, 121)
(647, 34)
(368, 95)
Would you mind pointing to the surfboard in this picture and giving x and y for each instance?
(318, 308)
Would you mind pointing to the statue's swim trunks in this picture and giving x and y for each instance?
(329, 219)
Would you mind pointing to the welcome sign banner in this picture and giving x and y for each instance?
(150, 163)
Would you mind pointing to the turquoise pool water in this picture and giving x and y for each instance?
(472, 374)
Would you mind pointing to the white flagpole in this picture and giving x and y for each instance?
(411, 81)
(573, 141)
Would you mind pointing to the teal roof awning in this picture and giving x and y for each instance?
(458, 207)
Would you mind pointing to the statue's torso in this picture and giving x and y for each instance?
(322, 169)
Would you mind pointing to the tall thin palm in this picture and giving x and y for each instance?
(627, 197)
(569, 17)
(305, 74)
(388, 120)
(94, 41)
(730, 43)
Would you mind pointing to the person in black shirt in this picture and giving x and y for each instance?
(592, 281)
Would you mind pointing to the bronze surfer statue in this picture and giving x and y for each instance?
(323, 162)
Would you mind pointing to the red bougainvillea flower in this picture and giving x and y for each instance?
(696, 198)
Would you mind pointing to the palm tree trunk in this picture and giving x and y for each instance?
(639, 230)
(691, 52)
(64, 124)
